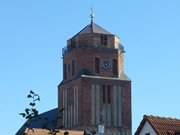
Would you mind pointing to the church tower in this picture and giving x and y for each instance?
(95, 89)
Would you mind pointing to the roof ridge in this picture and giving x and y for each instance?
(160, 117)
(100, 27)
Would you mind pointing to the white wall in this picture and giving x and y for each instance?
(147, 129)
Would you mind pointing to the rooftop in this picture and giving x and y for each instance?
(93, 28)
(47, 119)
(38, 131)
(162, 125)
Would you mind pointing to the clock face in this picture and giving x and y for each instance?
(106, 65)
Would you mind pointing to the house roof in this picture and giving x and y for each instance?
(161, 125)
(44, 120)
(38, 131)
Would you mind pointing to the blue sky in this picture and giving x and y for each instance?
(32, 34)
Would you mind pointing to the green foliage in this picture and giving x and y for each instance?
(53, 131)
(31, 111)
(66, 133)
(22, 114)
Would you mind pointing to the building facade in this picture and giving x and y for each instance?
(95, 89)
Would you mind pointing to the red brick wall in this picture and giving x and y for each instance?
(84, 86)
(85, 58)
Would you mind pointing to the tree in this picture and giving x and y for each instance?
(31, 113)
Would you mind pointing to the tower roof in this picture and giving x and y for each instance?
(93, 28)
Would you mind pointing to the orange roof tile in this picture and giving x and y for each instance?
(162, 125)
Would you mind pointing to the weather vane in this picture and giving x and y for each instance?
(92, 15)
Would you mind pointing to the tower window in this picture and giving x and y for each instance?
(97, 65)
(115, 67)
(73, 67)
(72, 43)
(69, 69)
(108, 94)
(65, 71)
(104, 93)
(104, 39)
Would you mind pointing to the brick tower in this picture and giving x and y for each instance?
(95, 89)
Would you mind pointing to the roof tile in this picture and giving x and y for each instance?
(162, 125)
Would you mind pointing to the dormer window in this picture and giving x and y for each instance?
(104, 40)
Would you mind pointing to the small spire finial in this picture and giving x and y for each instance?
(92, 15)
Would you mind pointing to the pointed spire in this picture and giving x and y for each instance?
(92, 16)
